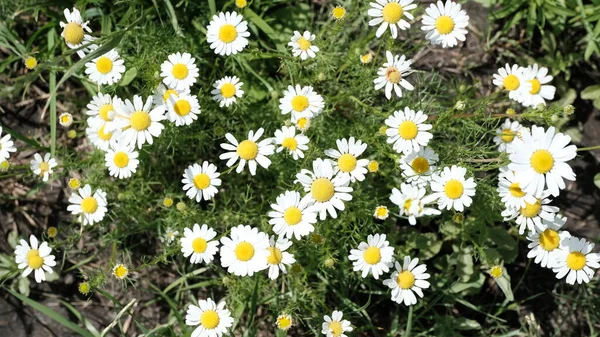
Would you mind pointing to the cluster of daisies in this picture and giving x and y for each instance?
(526, 85)
(536, 174)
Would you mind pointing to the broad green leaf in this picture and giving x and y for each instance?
(428, 244)
(597, 180)
(591, 92)
(461, 323)
(129, 75)
(505, 244)
(596, 103)
(504, 283)
(23, 286)
(568, 98)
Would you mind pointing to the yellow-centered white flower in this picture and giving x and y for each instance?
(293, 143)
(540, 89)
(301, 102)
(34, 258)
(545, 241)
(106, 69)
(410, 278)
(345, 159)
(182, 109)
(576, 261)
(278, 258)
(6, 146)
(140, 121)
(211, 319)
(227, 33)
(506, 134)
(91, 207)
(418, 166)
(452, 189)
(445, 24)
(372, 257)
(292, 217)
(510, 189)
(407, 130)
(245, 252)
(412, 202)
(121, 160)
(335, 326)
(43, 167)
(198, 244)
(227, 90)
(302, 45)
(200, 181)
(74, 30)
(179, 71)
(392, 75)
(532, 214)
(512, 78)
(250, 150)
(389, 13)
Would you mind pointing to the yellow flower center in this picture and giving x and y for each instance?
(372, 255)
(322, 190)
(406, 279)
(199, 245)
(292, 216)
(121, 272)
(373, 166)
(182, 107)
(408, 130)
(241, 3)
(244, 251)
(531, 210)
(170, 92)
(52, 231)
(34, 260)
(89, 205)
(121, 159)
(227, 90)
(303, 43)
(180, 71)
(515, 190)
(73, 33)
(31, 62)
(275, 256)
(247, 150)
(393, 75)
(104, 110)
(227, 33)
(104, 65)
(84, 288)
(420, 165)
(336, 328)
(140, 120)
(167, 202)
(338, 13)
(507, 135)
(511, 82)
(381, 212)
(302, 123)
(210, 319)
(201, 181)
(444, 24)
(284, 322)
(347, 162)
(366, 58)
(496, 271)
(65, 119)
(299, 103)
(44, 167)
(392, 12)
(542, 161)
(290, 143)
(576, 261)
(104, 135)
(549, 239)
(454, 189)
(407, 204)
(536, 86)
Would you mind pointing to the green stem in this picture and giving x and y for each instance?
(409, 322)
(591, 148)
(53, 111)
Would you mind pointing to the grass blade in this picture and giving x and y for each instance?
(52, 112)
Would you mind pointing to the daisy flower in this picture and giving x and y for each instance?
(90, 207)
(334, 326)
(211, 319)
(99, 135)
(373, 166)
(540, 89)
(391, 75)
(389, 13)
(346, 161)
(120, 271)
(302, 45)
(366, 58)
(531, 215)
(6, 146)
(338, 12)
(411, 200)
(407, 280)
(292, 218)
(451, 188)
(510, 189)
(34, 258)
(512, 79)
(373, 257)
(407, 130)
(278, 257)
(102, 106)
(140, 121)
(381, 213)
(245, 252)
(73, 30)
(163, 93)
(326, 192)
(65, 119)
(294, 143)
(248, 151)
(545, 241)
(43, 166)
(418, 166)
(445, 23)
(200, 181)
(30, 62)
(506, 134)
(284, 321)
(542, 157)
(198, 244)
(106, 69)
(169, 235)
(182, 109)
(301, 102)
(121, 160)
(227, 90)
(227, 33)
(576, 260)
(302, 123)
(179, 71)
